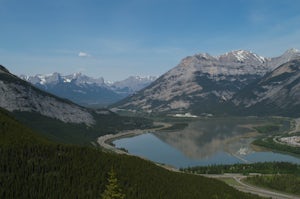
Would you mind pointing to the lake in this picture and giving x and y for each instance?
(204, 142)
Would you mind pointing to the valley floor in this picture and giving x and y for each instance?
(235, 180)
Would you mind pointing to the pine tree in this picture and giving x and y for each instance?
(112, 191)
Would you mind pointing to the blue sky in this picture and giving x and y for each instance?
(118, 38)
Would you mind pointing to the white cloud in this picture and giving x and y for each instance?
(83, 54)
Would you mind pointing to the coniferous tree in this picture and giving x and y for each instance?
(112, 191)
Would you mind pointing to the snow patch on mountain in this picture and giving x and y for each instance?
(18, 95)
(87, 90)
(242, 56)
(202, 79)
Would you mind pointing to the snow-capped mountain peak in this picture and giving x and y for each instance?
(293, 50)
(80, 79)
(77, 74)
(52, 78)
(242, 56)
(18, 95)
(291, 53)
(55, 78)
(202, 82)
(238, 62)
(85, 90)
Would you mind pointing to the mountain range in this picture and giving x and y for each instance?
(238, 82)
(202, 84)
(59, 119)
(88, 91)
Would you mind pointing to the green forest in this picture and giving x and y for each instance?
(80, 134)
(280, 176)
(259, 167)
(286, 183)
(33, 167)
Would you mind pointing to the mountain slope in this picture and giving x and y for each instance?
(18, 95)
(278, 92)
(59, 119)
(203, 83)
(77, 87)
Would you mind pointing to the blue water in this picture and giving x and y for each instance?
(181, 155)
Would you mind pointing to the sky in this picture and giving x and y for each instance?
(118, 38)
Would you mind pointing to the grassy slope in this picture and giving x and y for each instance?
(33, 167)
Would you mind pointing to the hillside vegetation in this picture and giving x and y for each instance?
(259, 167)
(33, 167)
(69, 133)
(280, 176)
(285, 183)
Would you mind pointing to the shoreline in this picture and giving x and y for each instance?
(106, 140)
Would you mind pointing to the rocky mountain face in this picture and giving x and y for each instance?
(85, 90)
(203, 83)
(277, 92)
(60, 119)
(18, 95)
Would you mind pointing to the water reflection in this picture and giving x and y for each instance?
(203, 142)
(202, 139)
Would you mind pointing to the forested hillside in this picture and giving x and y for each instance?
(32, 167)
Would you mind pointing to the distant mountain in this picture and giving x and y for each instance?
(132, 84)
(77, 87)
(203, 83)
(59, 119)
(85, 90)
(18, 95)
(278, 92)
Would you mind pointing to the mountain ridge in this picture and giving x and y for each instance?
(19, 95)
(202, 82)
(279, 89)
(57, 118)
(88, 91)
